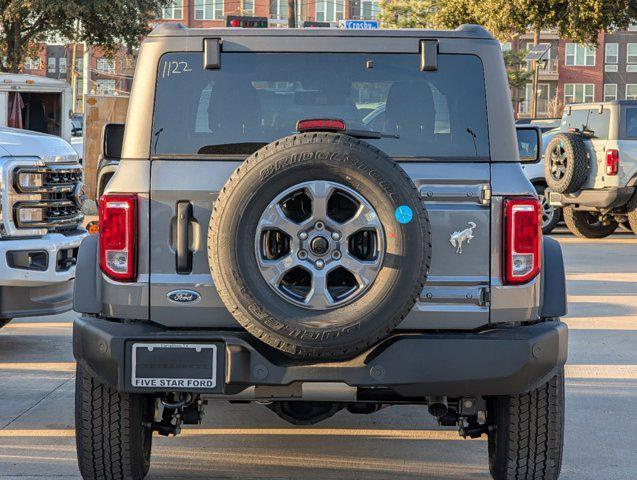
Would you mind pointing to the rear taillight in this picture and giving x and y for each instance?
(118, 236)
(522, 239)
(612, 161)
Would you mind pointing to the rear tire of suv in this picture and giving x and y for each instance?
(527, 439)
(586, 225)
(112, 430)
(632, 213)
(566, 163)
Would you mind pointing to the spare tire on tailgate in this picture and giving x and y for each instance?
(319, 245)
(566, 163)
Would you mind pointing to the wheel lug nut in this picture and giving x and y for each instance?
(336, 235)
(336, 254)
(303, 235)
(302, 254)
(319, 264)
(319, 225)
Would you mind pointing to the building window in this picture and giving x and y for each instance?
(105, 87)
(106, 65)
(631, 57)
(174, 11)
(208, 9)
(278, 9)
(611, 57)
(248, 7)
(579, 92)
(610, 92)
(580, 55)
(505, 46)
(33, 64)
(631, 91)
(62, 65)
(329, 11)
(51, 65)
(369, 9)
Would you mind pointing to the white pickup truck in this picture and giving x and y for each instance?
(41, 195)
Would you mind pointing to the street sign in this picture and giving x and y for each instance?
(538, 51)
(360, 24)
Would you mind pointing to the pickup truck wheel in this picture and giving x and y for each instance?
(112, 430)
(319, 245)
(551, 216)
(632, 213)
(566, 163)
(527, 437)
(586, 224)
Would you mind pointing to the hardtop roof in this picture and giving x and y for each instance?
(176, 29)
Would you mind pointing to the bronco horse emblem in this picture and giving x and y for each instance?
(458, 237)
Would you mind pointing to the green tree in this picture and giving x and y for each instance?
(105, 23)
(517, 72)
(579, 20)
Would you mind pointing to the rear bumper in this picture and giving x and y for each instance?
(499, 361)
(606, 198)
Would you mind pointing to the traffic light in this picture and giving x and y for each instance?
(237, 21)
(308, 24)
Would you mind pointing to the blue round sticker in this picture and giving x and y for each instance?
(404, 214)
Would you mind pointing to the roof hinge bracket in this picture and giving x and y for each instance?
(428, 55)
(211, 53)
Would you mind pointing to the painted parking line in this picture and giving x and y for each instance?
(38, 367)
(274, 432)
(627, 372)
(35, 325)
(604, 276)
(602, 372)
(628, 323)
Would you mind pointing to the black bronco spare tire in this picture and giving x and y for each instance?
(319, 245)
(566, 163)
(632, 213)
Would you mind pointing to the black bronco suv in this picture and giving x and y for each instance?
(320, 220)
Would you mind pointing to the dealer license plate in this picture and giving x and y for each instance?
(174, 365)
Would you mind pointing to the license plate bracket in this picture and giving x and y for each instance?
(174, 366)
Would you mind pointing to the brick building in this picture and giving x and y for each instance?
(582, 73)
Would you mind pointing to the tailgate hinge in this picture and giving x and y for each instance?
(485, 296)
(485, 195)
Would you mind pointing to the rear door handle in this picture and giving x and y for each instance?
(183, 255)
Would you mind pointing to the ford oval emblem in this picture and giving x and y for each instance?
(183, 296)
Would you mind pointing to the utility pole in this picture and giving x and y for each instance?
(73, 71)
(291, 13)
(536, 75)
(86, 71)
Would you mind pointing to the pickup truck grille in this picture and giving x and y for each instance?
(48, 197)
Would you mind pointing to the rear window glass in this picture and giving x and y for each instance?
(256, 98)
(631, 122)
(588, 119)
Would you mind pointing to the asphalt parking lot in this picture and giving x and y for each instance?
(249, 441)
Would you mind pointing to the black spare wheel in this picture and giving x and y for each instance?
(319, 245)
(566, 163)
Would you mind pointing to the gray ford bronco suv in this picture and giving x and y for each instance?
(320, 220)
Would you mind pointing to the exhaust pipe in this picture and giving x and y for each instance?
(437, 406)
